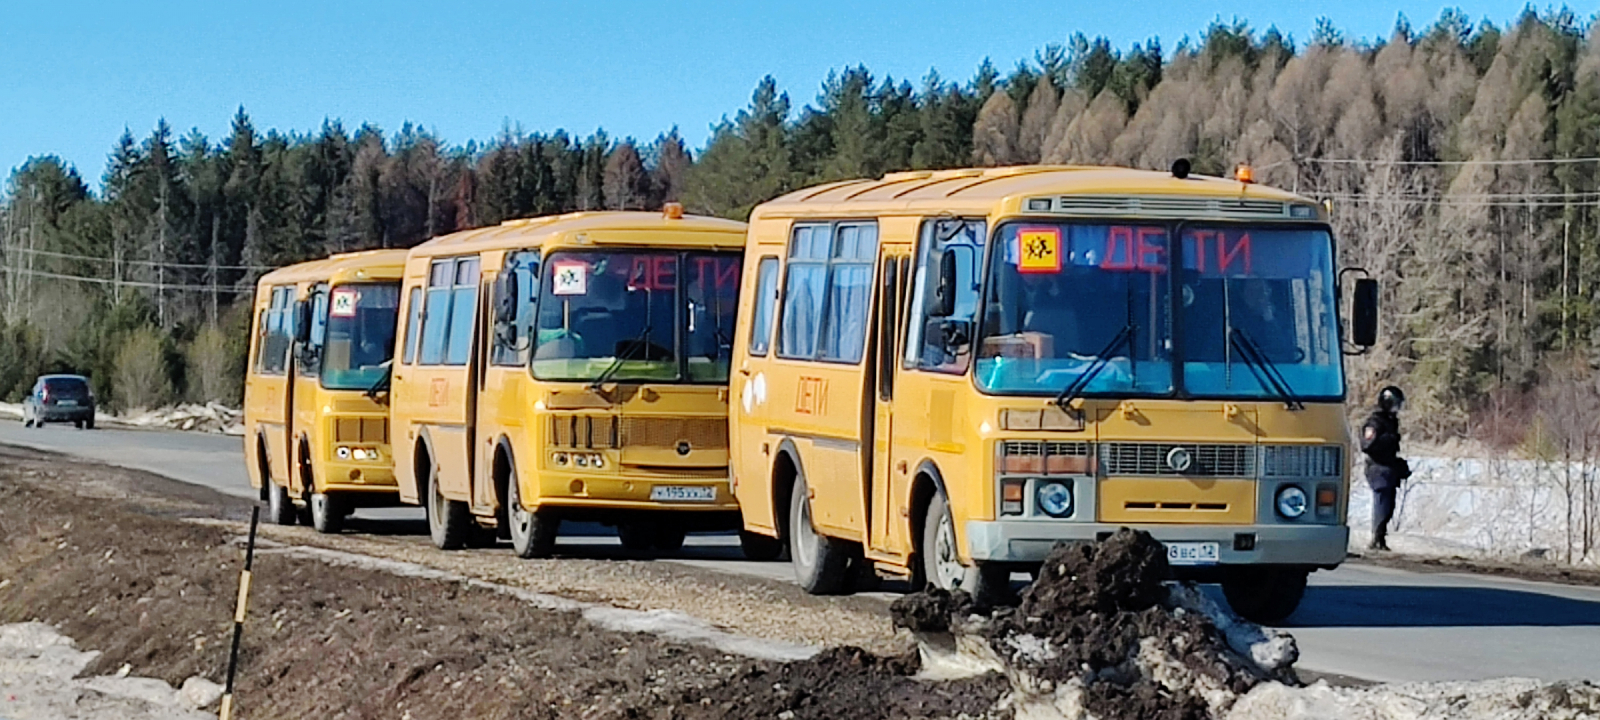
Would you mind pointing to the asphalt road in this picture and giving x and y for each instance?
(1360, 620)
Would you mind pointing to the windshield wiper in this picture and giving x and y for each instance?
(1081, 382)
(382, 385)
(643, 341)
(1266, 373)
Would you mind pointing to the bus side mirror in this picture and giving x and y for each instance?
(1364, 313)
(302, 322)
(944, 293)
(505, 317)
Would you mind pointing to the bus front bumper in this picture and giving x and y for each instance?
(1028, 541)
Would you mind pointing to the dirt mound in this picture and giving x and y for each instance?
(1099, 631)
(847, 682)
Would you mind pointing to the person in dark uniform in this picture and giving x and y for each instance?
(1380, 440)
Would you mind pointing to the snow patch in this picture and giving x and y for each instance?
(39, 674)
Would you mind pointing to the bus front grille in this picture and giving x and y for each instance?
(1204, 460)
(666, 432)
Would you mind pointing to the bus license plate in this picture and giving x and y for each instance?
(683, 493)
(67, 403)
(1193, 553)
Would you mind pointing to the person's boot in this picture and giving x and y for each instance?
(1380, 539)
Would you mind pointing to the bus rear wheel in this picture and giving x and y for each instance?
(280, 508)
(328, 513)
(449, 521)
(821, 563)
(1265, 595)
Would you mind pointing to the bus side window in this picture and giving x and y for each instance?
(261, 341)
(463, 307)
(766, 301)
(408, 351)
(934, 343)
(827, 292)
(436, 312)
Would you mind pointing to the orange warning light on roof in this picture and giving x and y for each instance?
(672, 211)
(1243, 173)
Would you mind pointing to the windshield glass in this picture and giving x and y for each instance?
(616, 313)
(1259, 289)
(360, 334)
(1059, 294)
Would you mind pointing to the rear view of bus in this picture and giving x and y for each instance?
(316, 418)
(966, 367)
(570, 368)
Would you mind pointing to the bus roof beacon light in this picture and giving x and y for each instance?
(1180, 168)
(672, 211)
(1244, 173)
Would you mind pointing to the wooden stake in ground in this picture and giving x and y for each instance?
(238, 614)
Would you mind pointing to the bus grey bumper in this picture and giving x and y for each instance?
(1029, 541)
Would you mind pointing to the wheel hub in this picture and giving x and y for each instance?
(947, 562)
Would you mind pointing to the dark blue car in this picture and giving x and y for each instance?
(59, 398)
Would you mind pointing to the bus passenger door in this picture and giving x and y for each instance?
(879, 463)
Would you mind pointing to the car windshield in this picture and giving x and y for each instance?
(616, 314)
(360, 334)
(1059, 295)
(1255, 303)
(1259, 302)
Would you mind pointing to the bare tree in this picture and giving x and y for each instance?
(994, 134)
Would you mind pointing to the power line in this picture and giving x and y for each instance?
(1526, 161)
(1469, 196)
(137, 263)
(122, 283)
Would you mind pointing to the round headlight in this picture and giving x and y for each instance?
(598, 461)
(561, 458)
(1291, 502)
(343, 453)
(580, 460)
(1055, 499)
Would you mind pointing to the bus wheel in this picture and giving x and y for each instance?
(1265, 595)
(449, 521)
(821, 563)
(533, 535)
(941, 559)
(759, 547)
(669, 538)
(280, 509)
(328, 513)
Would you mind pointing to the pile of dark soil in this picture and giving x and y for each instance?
(1084, 620)
(146, 588)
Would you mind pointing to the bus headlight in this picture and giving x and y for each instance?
(343, 453)
(1055, 499)
(1291, 501)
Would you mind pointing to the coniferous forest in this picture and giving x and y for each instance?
(1461, 158)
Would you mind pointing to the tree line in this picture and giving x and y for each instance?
(1459, 159)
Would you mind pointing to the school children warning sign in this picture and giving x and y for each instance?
(1040, 249)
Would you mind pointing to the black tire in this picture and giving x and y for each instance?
(760, 547)
(449, 521)
(821, 563)
(88, 424)
(941, 560)
(533, 534)
(77, 424)
(1265, 596)
(280, 509)
(328, 513)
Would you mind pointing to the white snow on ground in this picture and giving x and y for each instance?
(39, 680)
(1473, 503)
(1504, 699)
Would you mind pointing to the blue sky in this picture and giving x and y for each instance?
(74, 74)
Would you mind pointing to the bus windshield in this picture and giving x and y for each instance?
(1256, 310)
(360, 334)
(617, 314)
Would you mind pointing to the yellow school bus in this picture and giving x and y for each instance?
(316, 426)
(943, 374)
(569, 368)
